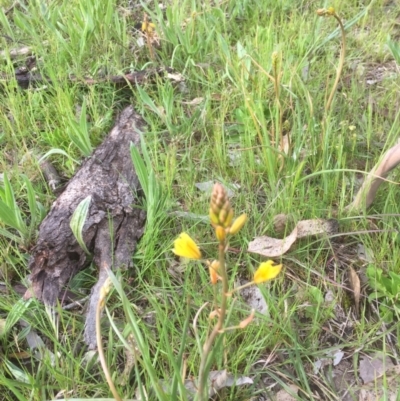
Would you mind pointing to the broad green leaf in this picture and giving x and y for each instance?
(9, 211)
(11, 236)
(15, 314)
(78, 220)
(57, 152)
(18, 374)
(375, 295)
(394, 48)
(148, 101)
(4, 22)
(78, 132)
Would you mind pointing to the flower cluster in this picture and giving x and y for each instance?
(221, 217)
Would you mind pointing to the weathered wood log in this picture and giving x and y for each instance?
(26, 79)
(113, 225)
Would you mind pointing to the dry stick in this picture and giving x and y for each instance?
(25, 80)
(217, 328)
(366, 194)
(20, 51)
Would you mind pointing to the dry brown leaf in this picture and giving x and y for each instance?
(283, 395)
(221, 378)
(218, 379)
(307, 228)
(366, 194)
(176, 77)
(382, 389)
(2, 326)
(372, 368)
(272, 247)
(284, 145)
(355, 285)
(195, 102)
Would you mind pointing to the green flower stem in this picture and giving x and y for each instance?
(335, 84)
(278, 102)
(340, 66)
(203, 371)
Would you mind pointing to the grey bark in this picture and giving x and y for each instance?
(113, 225)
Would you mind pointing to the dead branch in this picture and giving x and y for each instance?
(27, 79)
(366, 194)
(113, 225)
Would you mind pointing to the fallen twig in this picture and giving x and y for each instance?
(366, 194)
(27, 78)
(19, 51)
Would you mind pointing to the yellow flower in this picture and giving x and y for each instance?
(266, 271)
(238, 224)
(184, 246)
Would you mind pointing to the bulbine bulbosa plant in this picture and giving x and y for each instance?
(221, 217)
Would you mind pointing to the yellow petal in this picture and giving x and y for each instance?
(266, 271)
(185, 247)
(238, 224)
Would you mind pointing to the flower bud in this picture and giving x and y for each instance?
(222, 216)
(238, 224)
(220, 233)
(213, 216)
(218, 197)
(229, 218)
(248, 320)
(213, 268)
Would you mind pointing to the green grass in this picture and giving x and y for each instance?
(231, 136)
